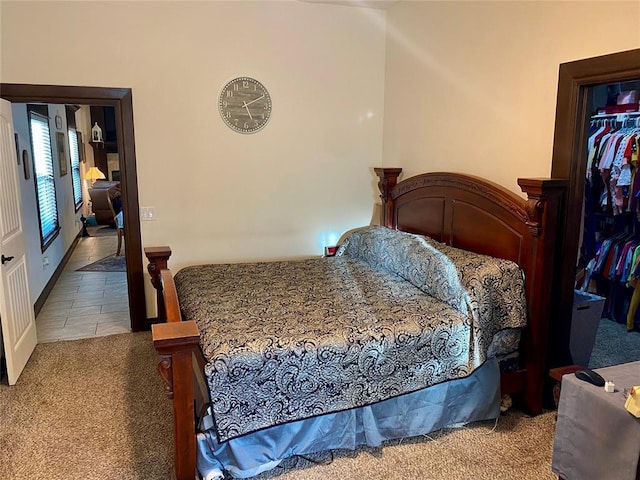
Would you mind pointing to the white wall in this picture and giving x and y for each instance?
(83, 125)
(218, 195)
(471, 86)
(42, 265)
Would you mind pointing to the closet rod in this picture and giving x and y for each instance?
(621, 116)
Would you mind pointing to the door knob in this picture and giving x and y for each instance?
(6, 259)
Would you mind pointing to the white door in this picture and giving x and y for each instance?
(16, 311)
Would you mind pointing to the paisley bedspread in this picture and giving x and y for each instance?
(391, 314)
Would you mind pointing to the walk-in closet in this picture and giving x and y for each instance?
(608, 264)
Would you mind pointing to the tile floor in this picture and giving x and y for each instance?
(86, 304)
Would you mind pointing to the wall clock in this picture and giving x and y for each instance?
(245, 105)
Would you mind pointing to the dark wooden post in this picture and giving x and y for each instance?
(388, 180)
(545, 198)
(176, 342)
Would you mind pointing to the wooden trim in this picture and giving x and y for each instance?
(131, 209)
(575, 83)
(121, 99)
(25, 93)
(152, 321)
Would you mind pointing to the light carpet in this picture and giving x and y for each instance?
(87, 409)
(95, 409)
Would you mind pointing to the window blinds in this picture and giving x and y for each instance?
(75, 167)
(43, 177)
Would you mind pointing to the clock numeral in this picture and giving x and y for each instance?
(245, 84)
(255, 87)
(235, 87)
(225, 104)
(256, 123)
(266, 106)
(235, 121)
(228, 114)
(229, 94)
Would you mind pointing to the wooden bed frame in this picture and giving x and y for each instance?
(460, 210)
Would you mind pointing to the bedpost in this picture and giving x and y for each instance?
(388, 179)
(158, 258)
(176, 342)
(544, 201)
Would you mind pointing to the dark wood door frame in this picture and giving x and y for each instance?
(575, 83)
(121, 99)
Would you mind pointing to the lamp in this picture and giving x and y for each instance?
(94, 174)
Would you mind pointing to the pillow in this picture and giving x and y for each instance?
(412, 257)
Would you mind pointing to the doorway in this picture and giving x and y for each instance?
(121, 100)
(576, 83)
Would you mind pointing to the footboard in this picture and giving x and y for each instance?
(176, 342)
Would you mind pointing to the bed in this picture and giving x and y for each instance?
(352, 373)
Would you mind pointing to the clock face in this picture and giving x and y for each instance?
(245, 105)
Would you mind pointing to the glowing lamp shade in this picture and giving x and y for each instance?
(94, 174)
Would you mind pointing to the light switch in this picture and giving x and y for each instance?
(147, 214)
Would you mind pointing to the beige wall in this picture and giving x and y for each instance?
(462, 86)
(472, 86)
(218, 195)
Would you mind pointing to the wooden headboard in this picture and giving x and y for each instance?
(475, 214)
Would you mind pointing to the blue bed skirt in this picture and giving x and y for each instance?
(451, 403)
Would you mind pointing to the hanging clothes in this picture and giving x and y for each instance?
(611, 249)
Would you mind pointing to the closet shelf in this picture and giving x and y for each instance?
(615, 115)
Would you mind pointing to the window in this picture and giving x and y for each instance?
(75, 167)
(43, 175)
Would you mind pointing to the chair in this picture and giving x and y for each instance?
(105, 201)
(120, 227)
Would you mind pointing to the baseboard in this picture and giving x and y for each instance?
(3, 369)
(152, 321)
(46, 291)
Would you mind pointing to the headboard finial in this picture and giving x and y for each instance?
(388, 180)
(538, 190)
